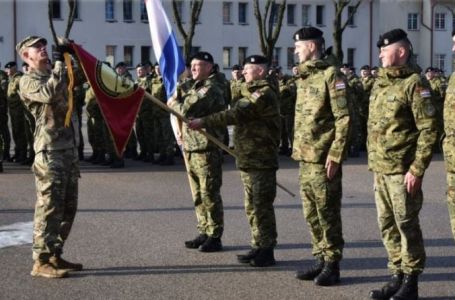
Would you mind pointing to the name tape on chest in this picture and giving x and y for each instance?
(340, 85)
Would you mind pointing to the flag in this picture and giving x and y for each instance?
(119, 99)
(165, 46)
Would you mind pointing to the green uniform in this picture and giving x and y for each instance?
(321, 131)
(355, 92)
(287, 99)
(401, 134)
(145, 129)
(367, 83)
(438, 89)
(256, 139)
(56, 165)
(449, 148)
(236, 93)
(204, 158)
(17, 115)
(95, 124)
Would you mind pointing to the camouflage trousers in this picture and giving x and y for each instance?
(451, 199)
(145, 131)
(260, 191)
(17, 115)
(205, 176)
(164, 136)
(56, 178)
(322, 210)
(398, 219)
(95, 134)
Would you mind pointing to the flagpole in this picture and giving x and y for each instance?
(203, 132)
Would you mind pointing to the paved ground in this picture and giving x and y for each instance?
(131, 225)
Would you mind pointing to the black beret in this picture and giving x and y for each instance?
(205, 56)
(429, 69)
(141, 65)
(10, 64)
(256, 60)
(365, 67)
(392, 36)
(307, 33)
(375, 68)
(24, 64)
(236, 68)
(345, 65)
(120, 64)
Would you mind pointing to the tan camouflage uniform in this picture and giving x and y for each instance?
(401, 134)
(321, 131)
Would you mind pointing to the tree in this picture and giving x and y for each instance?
(269, 25)
(196, 7)
(339, 27)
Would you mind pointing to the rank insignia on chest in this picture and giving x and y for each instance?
(425, 93)
(339, 85)
(256, 95)
(202, 91)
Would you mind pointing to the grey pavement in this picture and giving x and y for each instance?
(131, 225)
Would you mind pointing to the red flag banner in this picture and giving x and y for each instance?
(119, 99)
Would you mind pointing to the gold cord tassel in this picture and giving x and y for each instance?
(69, 68)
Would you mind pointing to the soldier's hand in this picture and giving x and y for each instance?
(195, 124)
(413, 183)
(332, 168)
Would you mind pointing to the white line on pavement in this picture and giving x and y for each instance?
(16, 234)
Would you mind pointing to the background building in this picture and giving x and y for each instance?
(117, 30)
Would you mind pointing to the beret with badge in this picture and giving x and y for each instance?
(307, 33)
(392, 36)
(28, 42)
(120, 64)
(204, 56)
(10, 65)
(365, 67)
(236, 68)
(256, 60)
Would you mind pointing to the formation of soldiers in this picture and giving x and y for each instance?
(319, 116)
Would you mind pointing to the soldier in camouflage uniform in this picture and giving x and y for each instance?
(236, 84)
(438, 90)
(29, 128)
(449, 143)
(17, 113)
(287, 97)
(56, 165)
(4, 130)
(203, 157)
(95, 128)
(401, 134)
(367, 84)
(320, 136)
(256, 140)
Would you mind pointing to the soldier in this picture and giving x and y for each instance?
(449, 143)
(256, 139)
(56, 165)
(320, 137)
(438, 90)
(203, 157)
(236, 84)
(287, 96)
(29, 127)
(374, 72)
(16, 113)
(401, 134)
(4, 130)
(367, 83)
(95, 128)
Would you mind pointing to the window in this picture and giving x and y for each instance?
(227, 7)
(351, 52)
(144, 16)
(110, 54)
(109, 10)
(56, 9)
(128, 55)
(227, 57)
(145, 53)
(351, 14)
(243, 12)
(306, 15)
(320, 15)
(440, 21)
(440, 61)
(243, 53)
(413, 21)
(276, 56)
(291, 14)
(179, 5)
(128, 10)
(291, 57)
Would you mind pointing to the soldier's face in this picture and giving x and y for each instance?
(36, 54)
(365, 73)
(236, 74)
(303, 50)
(252, 72)
(200, 69)
(429, 75)
(391, 55)
(141, 72)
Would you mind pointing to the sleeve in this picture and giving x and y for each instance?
(202, 101)
(35, 91)
(425, 120)
(336, 85)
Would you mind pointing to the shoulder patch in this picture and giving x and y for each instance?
(425, 93)
(340, 85)
(430, 110)
(256, 95)
(202, 91)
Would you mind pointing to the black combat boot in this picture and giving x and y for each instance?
(149, 158)
(389, 289)
(311, 272)
(1, 167)
(246, 258)
(211, 245)
(409, 289)
(329, 275)
(264, 258)
(92, 157)
(195, 243)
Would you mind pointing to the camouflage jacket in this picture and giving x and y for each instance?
(449, 126)
(401, 123)
(205, 97)
(257, 126)
(159, 92)
(92, 107)
(14, 100)
(438, 89)
(45, 95)
(322, 119)
(287, 96)
(236, 90)
(146, 84)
